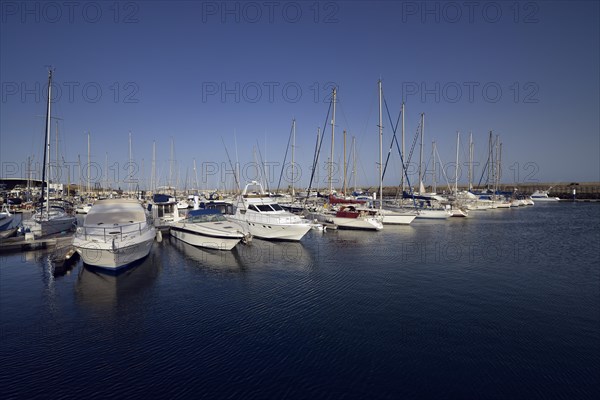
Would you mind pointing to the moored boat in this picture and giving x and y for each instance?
(265, 218)
(542, 195)
(115, 233)
(208, 228)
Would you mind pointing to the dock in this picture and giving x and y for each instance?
(20, 244)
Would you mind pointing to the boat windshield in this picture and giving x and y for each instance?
(207, 218)
(264, 207)
(276, 207)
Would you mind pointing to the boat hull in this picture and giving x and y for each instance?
(112, 257)
(273, 231)
(49, 227)
(434, 214)
(5, 222)
(366, 223)
(206, 239)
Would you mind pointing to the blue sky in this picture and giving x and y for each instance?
(204, 73)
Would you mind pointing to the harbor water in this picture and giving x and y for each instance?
(504, 304)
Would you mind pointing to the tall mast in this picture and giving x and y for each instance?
(499, 165)
(153, 178)
(489, 161)
(56, 152)
(456, 169)
(404, 166)
(88, 166)
(317, 160)
(293, 150)
(421, 149)
(196, 188)
(470, 161)
(434, 182)
(105, 172)
(332, 141)
(171, 165)
(46, 170)
(354, 161)
(130, 178)
(380, 149)
(80, 176)
(345, 166)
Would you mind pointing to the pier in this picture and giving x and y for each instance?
(20, 244)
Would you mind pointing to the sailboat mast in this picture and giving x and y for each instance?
(402, 172)
(470, 161)
(332, 142)
(434, 182)
(317, 160)
(56, 152)
(380, 149)
(354, 161)
(46, 167)
(171, 166)
(88, 165)
(105, 172)
(345, 166)
(153, 183)
(293, 150)
(456, 168)
(421, 149)
(489, 161)
(196, 188)
(130, 178)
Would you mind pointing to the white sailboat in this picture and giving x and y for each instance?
(48, 219)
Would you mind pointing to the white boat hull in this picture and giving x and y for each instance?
(49, 227)
(398, 219)
(365, 223)
(458, 213)
(208, 238)
(114, 256)
(273, 231)
(433, 214)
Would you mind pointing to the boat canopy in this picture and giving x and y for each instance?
(112, 212)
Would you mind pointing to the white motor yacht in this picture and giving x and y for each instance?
(115, 233)
(265, 218)
(208, 228)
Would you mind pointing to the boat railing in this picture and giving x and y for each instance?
(273, 219)
(116, 231)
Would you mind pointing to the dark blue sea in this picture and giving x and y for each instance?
(502, 305)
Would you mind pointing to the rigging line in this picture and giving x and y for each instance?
(316, 155)
(394, 129)
(395, 139)
(284, 157)
(263, 172)
(230, 164)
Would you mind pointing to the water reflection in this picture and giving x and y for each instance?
(211, 259)
(259, 254)
(106, 291)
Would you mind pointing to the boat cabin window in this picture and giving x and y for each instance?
(207, 218)
(264, 207)
(253, 208)
(276, 207)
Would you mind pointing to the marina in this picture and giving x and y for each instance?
(381, 314)
(300, 200)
